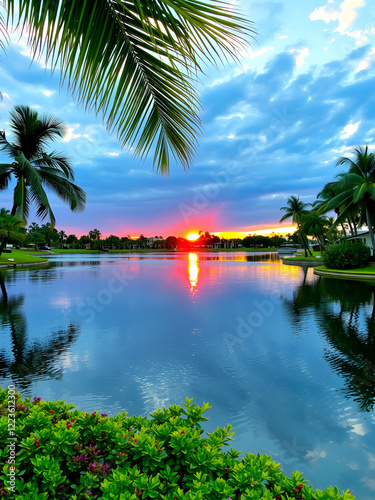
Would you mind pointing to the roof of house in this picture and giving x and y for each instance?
(358, 235)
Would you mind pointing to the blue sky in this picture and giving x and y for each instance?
(274, 126)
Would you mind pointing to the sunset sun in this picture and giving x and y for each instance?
(193, 236)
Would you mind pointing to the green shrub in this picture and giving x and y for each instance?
(63, 453)
(348, 255)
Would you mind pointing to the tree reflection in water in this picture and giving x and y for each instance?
(345, 312)
(29, 361)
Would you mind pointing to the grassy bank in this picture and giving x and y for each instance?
(22, 257)
(369, 270)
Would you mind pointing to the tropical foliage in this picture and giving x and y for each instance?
(347, 255)
(65, 454)
(135, 62)
(357, 188)
(351, 196)
(10, 227)
(295, 209)
(33, 168)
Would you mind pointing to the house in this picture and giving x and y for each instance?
(363, 236)
(156, 242)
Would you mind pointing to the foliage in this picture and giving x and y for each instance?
(34, 168)
(11, 226)
(135, 62)
(347, 255)
(69, 454)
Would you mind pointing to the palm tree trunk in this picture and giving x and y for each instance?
(354, 227)
(351, 227)
(370, 229)
(343, 228)
(304, 242)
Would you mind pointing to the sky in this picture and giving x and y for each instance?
(274, 126)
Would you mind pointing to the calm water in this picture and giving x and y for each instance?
(285, 357)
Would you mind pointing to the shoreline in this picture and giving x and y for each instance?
(347, 275)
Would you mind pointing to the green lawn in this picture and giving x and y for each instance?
(22, 257)
(305, 259)
(361, 270)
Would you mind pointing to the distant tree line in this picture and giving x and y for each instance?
(46, 235)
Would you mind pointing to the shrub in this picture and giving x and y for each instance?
(63, 453)
(348, 255)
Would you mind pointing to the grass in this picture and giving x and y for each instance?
(361, 270)
(310, 258)
(21, 257)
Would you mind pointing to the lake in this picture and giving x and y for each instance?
(286, 357)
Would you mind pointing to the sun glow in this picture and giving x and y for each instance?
(193, 236)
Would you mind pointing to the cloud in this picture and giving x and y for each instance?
(349, 130)
(346, 14)
(300, 55)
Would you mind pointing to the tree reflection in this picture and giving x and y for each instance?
(345, 312)
(29, 361)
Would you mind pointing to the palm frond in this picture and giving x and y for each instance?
(21, 200)
(56, 161)
(32, 133)
(34, 191)
(135, 62)
(63, 188)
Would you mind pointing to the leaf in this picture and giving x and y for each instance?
(136, 63)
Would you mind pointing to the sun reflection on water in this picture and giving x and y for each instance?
(193, 269)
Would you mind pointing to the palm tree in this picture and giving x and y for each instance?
(62, 237)
(33, 168)
(358, 186)
(294, 210)
(315, 225)
(135, 62)
(10, 227)
(94, 235)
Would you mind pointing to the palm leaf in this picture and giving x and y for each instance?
(63, 188)
(135, 62)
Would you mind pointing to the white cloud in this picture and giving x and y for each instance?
(48, 93)
(68, 136)
(300, 55)
(326, 14)
(362, 66)
(345, 15)
(348, 13)
(349, 130)
(112, 154)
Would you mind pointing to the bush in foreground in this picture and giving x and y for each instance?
(63, 453)
(348, 255)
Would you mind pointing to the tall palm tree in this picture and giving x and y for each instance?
(33, 168)
(135, 62)
(295, 209)
(358, 186)
(62, 237)
(315, 225)
(94, 235)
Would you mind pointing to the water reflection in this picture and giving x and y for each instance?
(193, 269)
(345, 313)
(30, 361)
